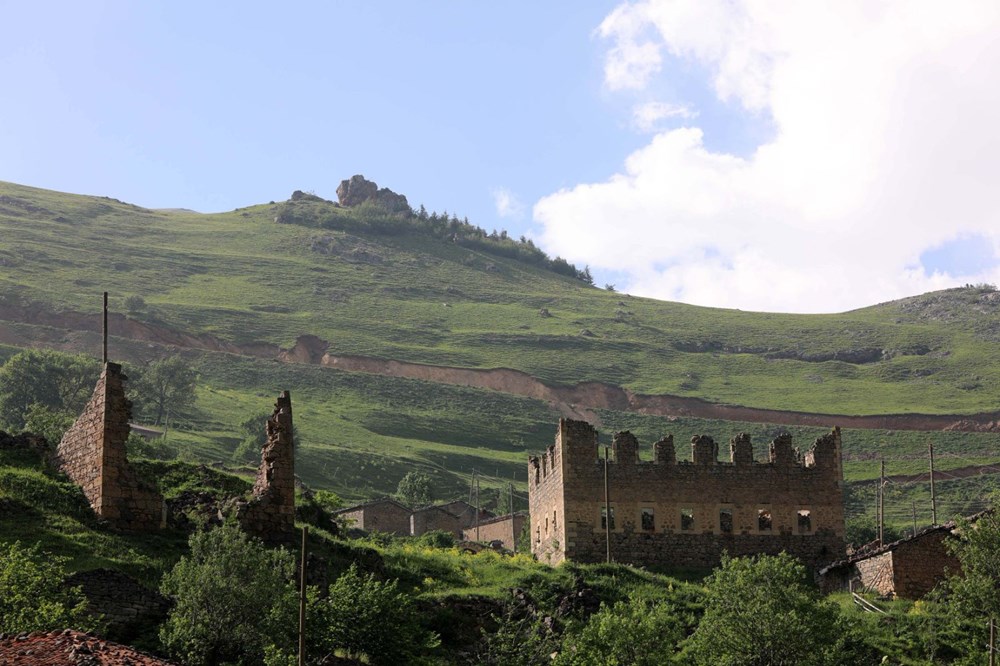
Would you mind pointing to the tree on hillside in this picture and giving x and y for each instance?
(972, 596)
(414, 489)
(60, 382)
(763, 611)
(233, 598)
(630, 633)
(167, 385)
(33, 596)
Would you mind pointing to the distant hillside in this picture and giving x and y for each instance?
(461, 348)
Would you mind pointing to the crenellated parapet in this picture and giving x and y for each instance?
(685, 513)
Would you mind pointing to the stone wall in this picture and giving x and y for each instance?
(921, 563)
(435, 518)
(270, 513)
(685, 515)
(92, 454)
(383, 515)
(505, 529)
(875, 573)
(127, 607)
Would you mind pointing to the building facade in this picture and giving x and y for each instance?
(684, 515)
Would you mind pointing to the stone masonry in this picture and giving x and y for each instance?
(270, 513)
(684, 515)
(92, 454)
(505, 529)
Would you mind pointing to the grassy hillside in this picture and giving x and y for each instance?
(394, 292)
(229, 290)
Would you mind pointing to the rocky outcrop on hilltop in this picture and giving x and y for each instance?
(357, 190)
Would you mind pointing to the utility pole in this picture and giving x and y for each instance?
(513, 534)
(930, 450)
(477, 509)
(302, 599)
(993, 630)
(104, 330)
(607, 509)
(913, 507)
(881, 504)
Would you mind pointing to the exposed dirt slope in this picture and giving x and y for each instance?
(577, 401)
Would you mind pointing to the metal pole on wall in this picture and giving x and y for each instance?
(104, 330)
(607, 509)
(302, 599)
(930, 450)
(881, 504)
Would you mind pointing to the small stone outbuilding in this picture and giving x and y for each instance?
(381, 515)
(505, 529)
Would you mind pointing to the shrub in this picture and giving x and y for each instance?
(33, 596)
(634, 632)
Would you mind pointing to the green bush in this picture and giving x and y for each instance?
(630, 633)
(233, 598)
(33, 596)
(364, 616)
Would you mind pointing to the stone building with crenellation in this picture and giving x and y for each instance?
(684, 515)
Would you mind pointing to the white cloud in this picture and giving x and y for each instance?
(506, 204)
(885, 145)
(646, 116)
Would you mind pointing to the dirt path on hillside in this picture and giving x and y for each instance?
(61, 331)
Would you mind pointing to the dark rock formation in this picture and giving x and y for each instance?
(358, 190)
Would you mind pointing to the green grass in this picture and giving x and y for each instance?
(243, 279)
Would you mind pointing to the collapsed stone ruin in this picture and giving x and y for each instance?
(270, 513)
(92, 455)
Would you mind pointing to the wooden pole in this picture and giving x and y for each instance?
(913, 507)
(607, 510)
(881, 504)
(930, 450)
(104, 331)
(513, 533)
(993, 630)
(302, 599)
(477, 509)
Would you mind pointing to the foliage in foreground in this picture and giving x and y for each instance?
(32, 594)
(233, 597)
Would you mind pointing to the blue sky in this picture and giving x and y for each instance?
(694, 150)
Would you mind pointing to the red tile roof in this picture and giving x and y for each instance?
(70, 648)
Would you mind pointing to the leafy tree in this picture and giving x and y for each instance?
(254, 432)
(518, 640)
(60, 382)
(630, 633)
(761, 611)
(972, 597)
(47, 422)
(33, 596)
(365, 616)
(414, 489)
(167, 384)
(233, 598)
(134, 304)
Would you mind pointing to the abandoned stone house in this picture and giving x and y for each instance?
(388, 515)
(908, 568)
(381, 515)
(684, 515)
(502, 529)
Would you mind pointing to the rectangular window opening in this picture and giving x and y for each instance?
(763, 520)
(726, 521)
(805, 521)
(553, 520)
(687, 519)
(604, 518)
(648, 522)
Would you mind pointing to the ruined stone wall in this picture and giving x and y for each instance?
(125, 606)
(505, 529)
(270, 513)
(384, 516)
(876, 573)
(435, 518)
(921, 563)
(681, 514)
(92, 454)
